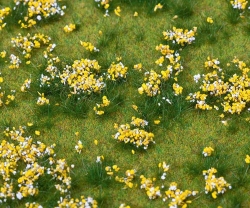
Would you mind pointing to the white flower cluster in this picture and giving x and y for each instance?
(14, 61)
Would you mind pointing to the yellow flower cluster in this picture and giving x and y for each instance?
(200, 99)
(139, 122)
(124, 206)
(117, 71)
(5, 99)
(210, 20)
(153, 80)
(164, 168)
(173, 58)
(89, 46)
(239, 4)
(152, 85)
(26, 85)
(133, 134)
(82, 77)
(99, 159)
(105, 4)
(3, 13)
(69, 28)
(33, 205)
(110, 170)
(177, 89)
(180, 36)
(14, 61)
(38, 10)
(215, 185)
(138, 67)
(79, 147)
(208, 151)
(18, 151)
(127, 180)
(52, 71)
(147, 184)
(239, 90)
(234, 91)
(88, 202)
(10, 98)
(178, 197)
(42, 100)
(27, 43)
(60, 173)
(105, 103)
(117, 11)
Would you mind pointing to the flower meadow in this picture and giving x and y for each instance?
(118, 103)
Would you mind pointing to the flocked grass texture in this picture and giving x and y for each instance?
(39, 90)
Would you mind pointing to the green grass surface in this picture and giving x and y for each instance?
(183, 132)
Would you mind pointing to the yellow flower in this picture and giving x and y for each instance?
(158, 6)
(95, 142)
(116, 168)
(77, 133)
(133, 152)
(1, 79)
(177, 89)
(30, 124)
(118, 11)
(106, 6)
(224, 123)
(37, 133)
(136, 14)
(3, 54)
(247, 160)
(79, 147)
(157, 121)
(135, 107)
(175, 17)
(42, 100)
(118, 58)
(69, 28)
(207, 151)
(222, 115)
(138, 67)
(214, 194)
(210, 20)
(105, 101)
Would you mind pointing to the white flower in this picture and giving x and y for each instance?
(39, 17)
(197, 77)
(204, 153)
(194, 193)
(163, 177)
(98, 159)
(19, 195)
(168, 101)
